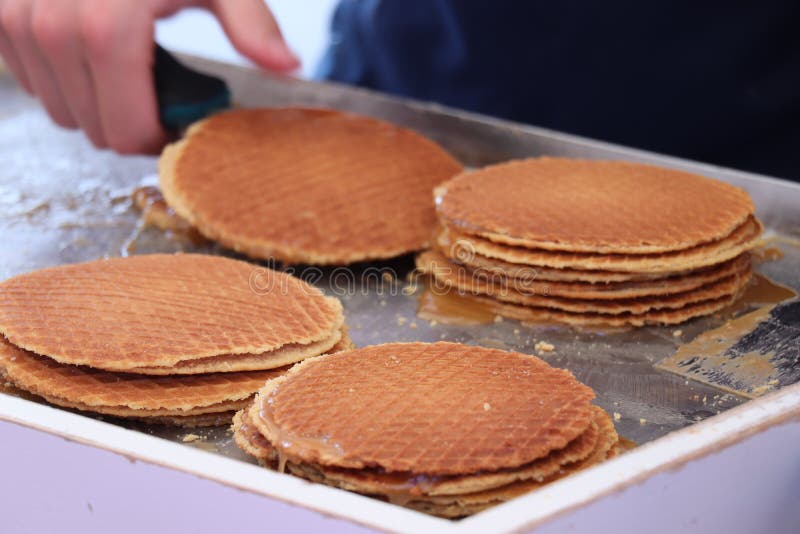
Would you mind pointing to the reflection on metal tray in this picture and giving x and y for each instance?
(62, 201)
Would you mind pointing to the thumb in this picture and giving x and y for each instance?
(254, 32)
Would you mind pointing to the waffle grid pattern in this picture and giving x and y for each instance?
(424, 407)
(592, 206)
(157, 310)
(304, 185)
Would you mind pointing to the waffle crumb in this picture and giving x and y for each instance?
(544, 346)
(677, 333)
(516, 331)
(760, 390)
(498, 319)
(617, 416)
(410, 289)
(642, 421)
(433, 322)
(401, 321)
(189, 438)
(412, 325)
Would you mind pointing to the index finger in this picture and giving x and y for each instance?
(119, 47)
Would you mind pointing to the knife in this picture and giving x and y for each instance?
(185, 95)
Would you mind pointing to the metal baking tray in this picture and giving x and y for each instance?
(62, 201)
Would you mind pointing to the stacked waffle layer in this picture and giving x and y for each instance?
(306, 185)
(443, 428)
(183, 339)
(592, 242)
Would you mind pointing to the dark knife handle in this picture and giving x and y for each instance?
(185, 95)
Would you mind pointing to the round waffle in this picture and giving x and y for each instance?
(306, 185)
(601, 207)
(129, 395)
(155, 311)
(226, 363)
(379, 482)
(743, 238)
(666, 316)
(493, 280)
(435, 409)
(461, 253)
(448, 496)
(477, 285)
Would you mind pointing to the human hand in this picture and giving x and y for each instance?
(90, 62)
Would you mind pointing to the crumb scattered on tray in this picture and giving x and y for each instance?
(677, 333)
(189, 438)
(410, 289)
(544, 346)
(617, 416)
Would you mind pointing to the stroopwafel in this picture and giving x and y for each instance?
(444, 428)
(306, 185)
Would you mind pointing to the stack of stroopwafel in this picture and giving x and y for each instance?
(443, 428)
(306, 185)
(184, 339)
(592, 242)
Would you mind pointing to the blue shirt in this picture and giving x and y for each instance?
(712, 81)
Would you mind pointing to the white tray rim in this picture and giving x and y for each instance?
(668, 453)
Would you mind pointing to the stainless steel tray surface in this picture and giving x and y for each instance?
(62, 201)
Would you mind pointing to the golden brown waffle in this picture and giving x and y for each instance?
(345, 343)
(190, 421)
(226, 363)
(493, 281)
(743, 238)
(463, 285)
(378, 482)
(431, 408)
(306, 185)
(550, 274)
(250, 440)
(602, 207)
(453, 496)
(159, 310)
(653, 317)
(126, 394)
(470, 503)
